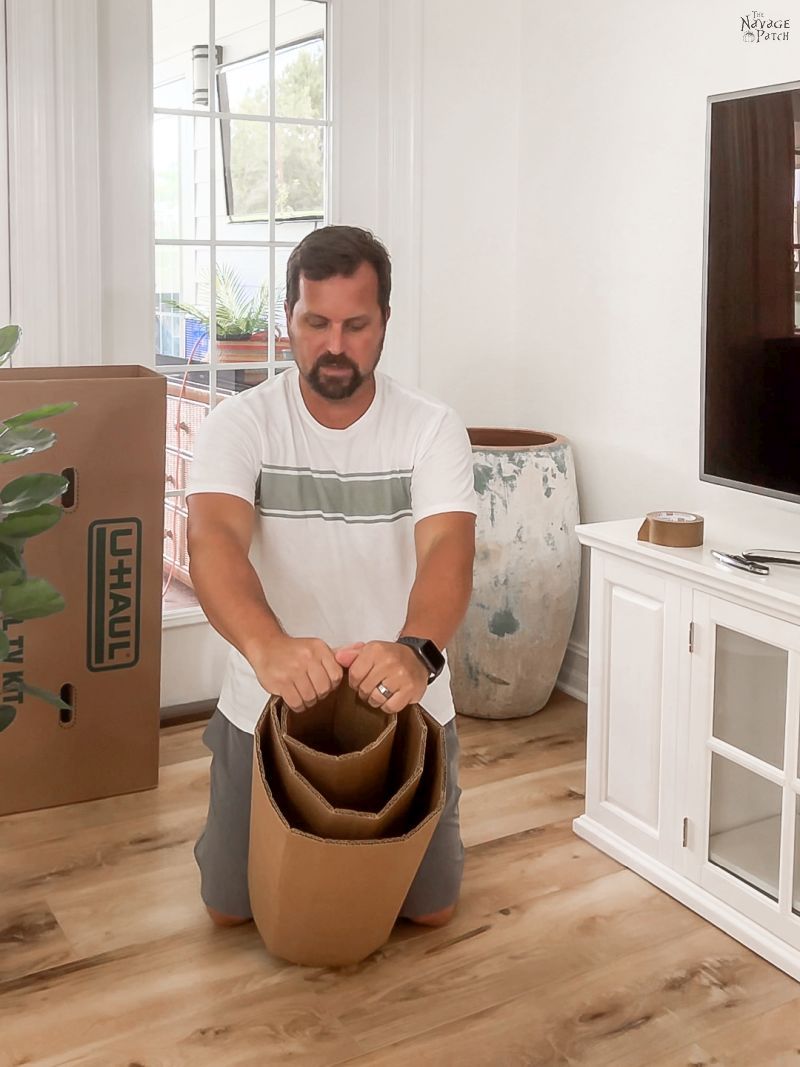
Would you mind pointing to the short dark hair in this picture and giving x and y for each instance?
(334, 250)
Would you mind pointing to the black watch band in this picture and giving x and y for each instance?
(427, 653)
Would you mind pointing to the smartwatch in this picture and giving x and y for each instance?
(427, 653)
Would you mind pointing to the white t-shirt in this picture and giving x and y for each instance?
(333, 542)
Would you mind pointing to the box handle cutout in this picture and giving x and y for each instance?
(66, 716)
(69, 498)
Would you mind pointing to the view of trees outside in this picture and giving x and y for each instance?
(299, 150)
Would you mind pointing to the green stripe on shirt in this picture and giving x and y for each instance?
(347, 498)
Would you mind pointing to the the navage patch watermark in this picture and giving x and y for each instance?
(756, 28)
(115, 563)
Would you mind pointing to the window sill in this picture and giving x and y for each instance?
(183, 617)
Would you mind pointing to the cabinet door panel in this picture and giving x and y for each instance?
(743, 797)
(636, 653)
(632, 693)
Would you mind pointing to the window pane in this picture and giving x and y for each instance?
(181, 176)
(750, 695)
(187, 407)
(242, 32)
(177, 589)
(243, 165)
(230, 382)
(182, 302)
(180, 54)
(242, 305)
(244, 87)
(745, 825)
(300, 172)
(796, 886)
(300, 80)
(283, 350)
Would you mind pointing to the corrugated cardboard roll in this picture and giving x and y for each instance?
(674, 529)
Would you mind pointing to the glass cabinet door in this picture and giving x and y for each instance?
(749, 715)
(745, 721)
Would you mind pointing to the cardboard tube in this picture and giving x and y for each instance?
(674, 529)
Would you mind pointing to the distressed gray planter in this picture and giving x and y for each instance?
(506, 656)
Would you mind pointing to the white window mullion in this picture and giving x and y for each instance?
(271, 171)
(212, 221)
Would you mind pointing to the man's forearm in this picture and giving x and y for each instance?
(440, 595)
(230, 593)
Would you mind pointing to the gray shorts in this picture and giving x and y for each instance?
(221, 850)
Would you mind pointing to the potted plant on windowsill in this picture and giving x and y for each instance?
(242, 319)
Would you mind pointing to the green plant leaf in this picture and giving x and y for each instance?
(12, 569)
(9, 339)
(46, 696)
(29, 523)
(7, 716)
(15, 443)
(32, 599)
(10, 577)
(31, 491)
(238, 317)
(47, 411)
(5, 646)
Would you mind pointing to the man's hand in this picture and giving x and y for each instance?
(300, 670)
(396, 667)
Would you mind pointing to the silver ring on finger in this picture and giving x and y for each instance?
(384, 692)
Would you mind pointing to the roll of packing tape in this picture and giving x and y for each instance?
(674, 529)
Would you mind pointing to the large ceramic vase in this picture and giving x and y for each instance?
(505, 658)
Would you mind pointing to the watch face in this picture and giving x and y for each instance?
(433, 655)
(428, 653)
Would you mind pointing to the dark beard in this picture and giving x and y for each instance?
(335, 388)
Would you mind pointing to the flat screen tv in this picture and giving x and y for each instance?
(750, 437)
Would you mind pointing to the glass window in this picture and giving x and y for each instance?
(234, 191)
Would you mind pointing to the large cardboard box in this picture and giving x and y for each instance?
(105, 556)
(324, 902)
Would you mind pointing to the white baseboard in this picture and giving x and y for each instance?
(573, 679)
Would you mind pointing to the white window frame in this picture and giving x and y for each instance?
(213, 115)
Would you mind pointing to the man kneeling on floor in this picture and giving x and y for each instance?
(331, 530)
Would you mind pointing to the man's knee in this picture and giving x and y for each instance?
(219, 919)
(436, 918)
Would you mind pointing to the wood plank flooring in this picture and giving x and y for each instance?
(557, 955)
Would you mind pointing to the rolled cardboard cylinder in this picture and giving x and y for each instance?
(339, 724)
(343, 747)
(327, 903)
(308, 809)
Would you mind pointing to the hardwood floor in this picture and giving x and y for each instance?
(557, 955)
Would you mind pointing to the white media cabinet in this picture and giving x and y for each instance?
(694, 719)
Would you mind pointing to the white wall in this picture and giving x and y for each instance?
(563, 163)
(471, 113)
(610, 242)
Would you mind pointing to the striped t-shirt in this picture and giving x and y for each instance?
(334, 536)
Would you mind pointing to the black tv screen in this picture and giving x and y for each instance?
(751, 400)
